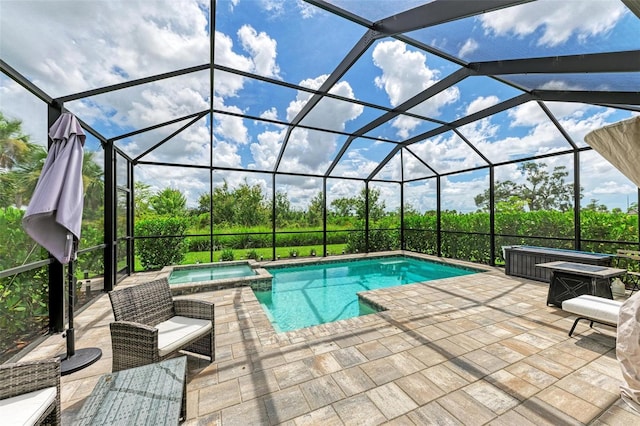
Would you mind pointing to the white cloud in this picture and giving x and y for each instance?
(458, 195)
(274, 7)
(421, 195)
(18, 104)
(559, 85)
(355, 164)
(308, 150)
(612, 187)
(270, 114)
(468, 48)
(528, 114)
(443, 153)
(226, 84)
(580, 119)
(392, 170)
(338, 188)
(557, 21)
(231, 127)
(481, 103)
(262, 49)
(306, 10)
(404, 74)
(226, 155)
(150, 38)
(265, 151)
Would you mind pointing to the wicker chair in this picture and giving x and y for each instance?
(151, 326)
(27, 392)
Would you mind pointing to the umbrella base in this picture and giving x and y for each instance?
(80, 359)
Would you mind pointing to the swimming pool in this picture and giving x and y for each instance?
(187, 279)
(209, 272)
(302, 296)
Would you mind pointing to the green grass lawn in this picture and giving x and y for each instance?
(266, 253)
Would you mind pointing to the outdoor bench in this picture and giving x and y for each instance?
(593, 309)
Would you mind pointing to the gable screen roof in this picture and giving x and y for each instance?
(340, 88)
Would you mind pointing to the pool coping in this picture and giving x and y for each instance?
(261, 280)
(264, 278)
(367, 297)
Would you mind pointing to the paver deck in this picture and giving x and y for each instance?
(478, 349)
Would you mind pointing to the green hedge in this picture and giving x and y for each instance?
(543, 228)
(247, 240)
(158, 252)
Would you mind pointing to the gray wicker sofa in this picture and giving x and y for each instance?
(30, 392)
(151, 326)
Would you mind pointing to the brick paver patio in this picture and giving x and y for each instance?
(479, 349)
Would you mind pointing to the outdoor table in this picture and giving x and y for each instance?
(569, 280)
(153, 394)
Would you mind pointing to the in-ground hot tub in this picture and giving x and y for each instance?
(186, 279)
(520, 261)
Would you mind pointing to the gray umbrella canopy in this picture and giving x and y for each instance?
(619, 143)
(54, 215)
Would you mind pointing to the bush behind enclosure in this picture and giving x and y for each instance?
(250, 238)
(158, 252)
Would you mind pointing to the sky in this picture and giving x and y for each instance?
(66, 47)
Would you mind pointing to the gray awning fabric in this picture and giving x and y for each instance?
(619, 143)
(54, 215)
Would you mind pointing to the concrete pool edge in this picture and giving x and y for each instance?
(261, 280)
(360, 256)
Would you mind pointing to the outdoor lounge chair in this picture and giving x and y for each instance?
(593, 309)
(30, 393)
(151, 326)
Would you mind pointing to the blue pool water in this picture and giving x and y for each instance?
(209, 273)
(303, 296)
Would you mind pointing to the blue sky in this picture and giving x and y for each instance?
(100, 42)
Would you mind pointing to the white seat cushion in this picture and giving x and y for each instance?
(593, 307)
(177, 331)
(27, 408)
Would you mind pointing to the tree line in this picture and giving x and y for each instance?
(247, 205)
(541, 190)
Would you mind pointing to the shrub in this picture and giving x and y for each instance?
(227, 254)
(158, 252)
(199, 243)
(252, 254)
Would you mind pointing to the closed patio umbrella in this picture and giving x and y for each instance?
(54, 217)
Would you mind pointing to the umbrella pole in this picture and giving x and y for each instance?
(71, 337)
(73, 360)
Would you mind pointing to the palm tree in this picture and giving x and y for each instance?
(7, 189)
(93, 185)
(13, 144)
(26, 174)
